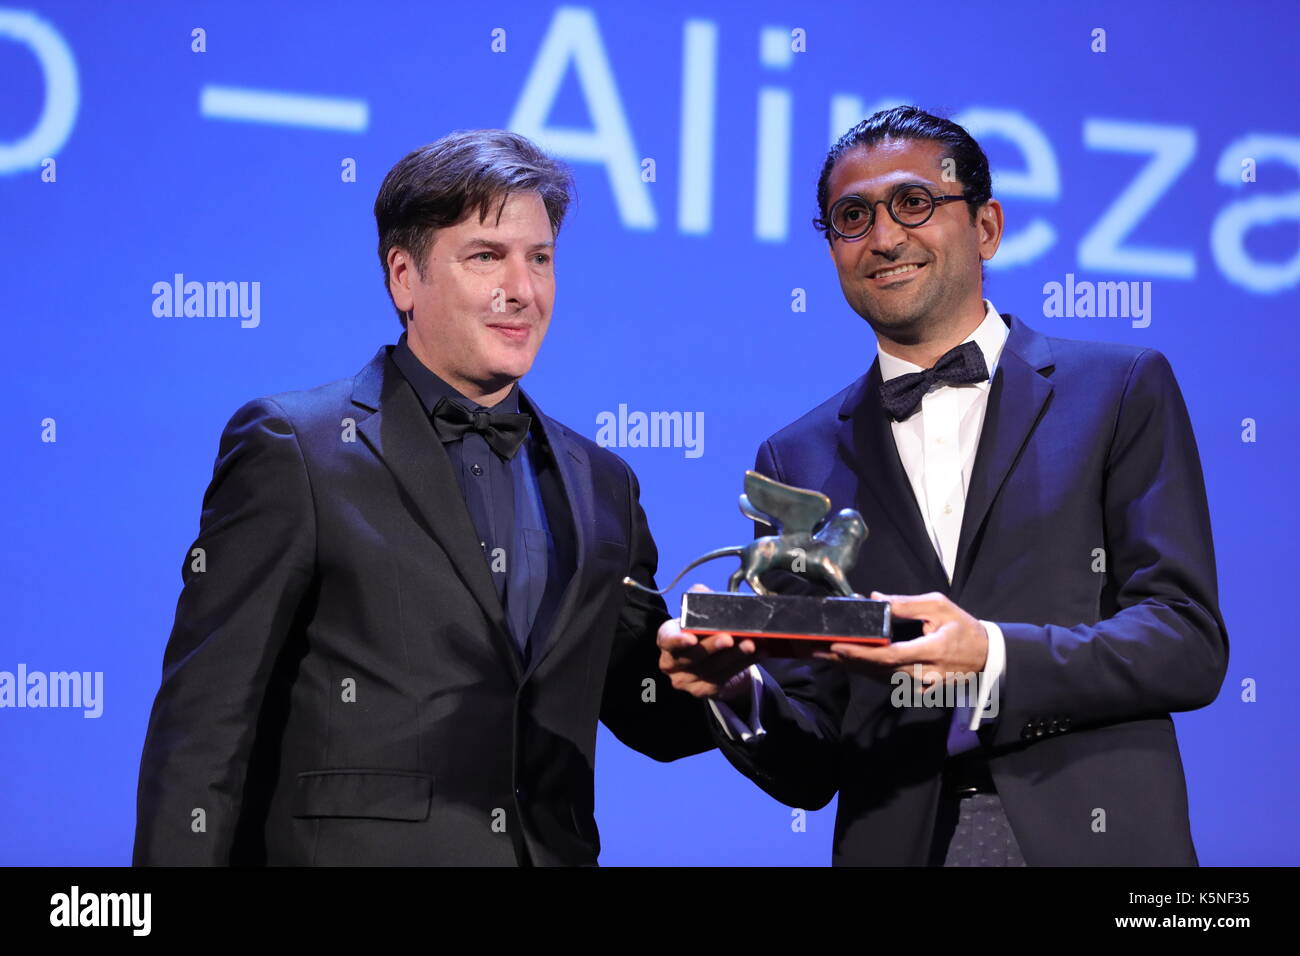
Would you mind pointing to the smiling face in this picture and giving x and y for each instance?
(913, 284)
(481, 308)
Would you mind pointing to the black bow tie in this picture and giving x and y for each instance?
(503, 431)
(963, 365)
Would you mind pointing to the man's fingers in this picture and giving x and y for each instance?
(673, 638)
(706, 654)
(917, 650)
(882, 655)
(926, 607)
(716, 668)
(870, 668)
(706, 644)
(677, 643)
(723, 666)
(722, 641)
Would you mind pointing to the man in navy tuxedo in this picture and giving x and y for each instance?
(403, 614)
(1036, 501)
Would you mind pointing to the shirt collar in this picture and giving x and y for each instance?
(430, 387)
(990, 335)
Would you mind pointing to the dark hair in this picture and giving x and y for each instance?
(467, 170)
(911, 122)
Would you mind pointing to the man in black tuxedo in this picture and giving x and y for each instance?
(403, 614)
(1037, 502)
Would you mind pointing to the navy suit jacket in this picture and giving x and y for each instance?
(1086, 456)
(341, 685)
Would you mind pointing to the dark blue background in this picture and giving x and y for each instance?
(95, 526)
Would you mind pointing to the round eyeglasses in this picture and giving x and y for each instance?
(910, 204)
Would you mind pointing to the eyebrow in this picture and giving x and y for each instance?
(916, 180)
(501, 247)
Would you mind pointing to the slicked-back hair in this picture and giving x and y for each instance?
(971, 166)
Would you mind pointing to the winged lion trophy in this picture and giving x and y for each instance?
(810, 542)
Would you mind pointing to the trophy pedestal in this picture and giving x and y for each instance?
(794, 625)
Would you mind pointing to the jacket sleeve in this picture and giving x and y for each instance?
(663, 723)
(658, 721)
(244, 578)
(801, 708)
(1162, 645)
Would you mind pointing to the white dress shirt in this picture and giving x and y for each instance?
(937, 445)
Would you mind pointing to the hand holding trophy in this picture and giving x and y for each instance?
(808, 543)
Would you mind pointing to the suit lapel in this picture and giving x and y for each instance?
(575, 476)
(399, 433)
(1017, 396)
(867, 444)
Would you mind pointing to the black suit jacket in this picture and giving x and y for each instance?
(1085, 446)
(340, 685)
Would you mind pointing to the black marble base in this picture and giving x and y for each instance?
(794, 625)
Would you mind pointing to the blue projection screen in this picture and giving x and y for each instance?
(148, 146)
